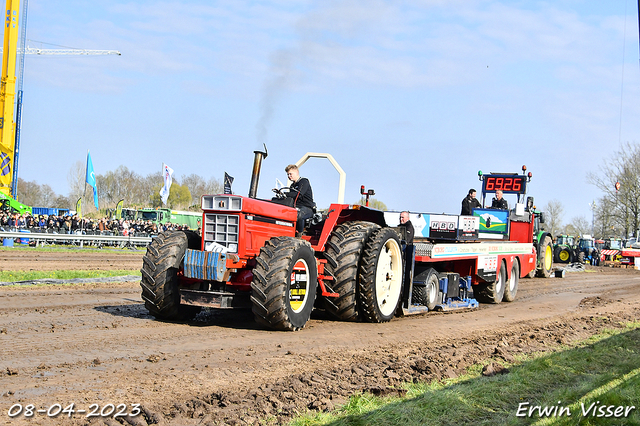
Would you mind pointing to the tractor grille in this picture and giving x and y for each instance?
(222, 229)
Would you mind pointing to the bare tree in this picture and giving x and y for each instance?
(63, 202)
(553, 216)
(198, 187)
(604, 220)
(119, 184)
(619, 179)
(373, 203)
(35, 195)
(580, 225)
(76, 179)
(29, 192)
(136, 190)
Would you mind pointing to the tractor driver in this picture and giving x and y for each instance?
(302, 195)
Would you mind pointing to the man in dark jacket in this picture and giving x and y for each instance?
(469, 203)
(499, 202)
(406, 222)
(302, 195)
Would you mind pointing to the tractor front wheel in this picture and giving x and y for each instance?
(160, 275)
(564, 255)
(283, 289)
(381, 276)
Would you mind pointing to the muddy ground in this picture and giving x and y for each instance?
(26, 259)
(95, 345)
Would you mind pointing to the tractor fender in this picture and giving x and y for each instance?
(541, 238)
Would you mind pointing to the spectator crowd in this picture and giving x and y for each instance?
(72, 224)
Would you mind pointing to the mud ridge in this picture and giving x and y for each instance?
(381, 373)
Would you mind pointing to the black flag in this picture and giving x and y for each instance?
(228, 180)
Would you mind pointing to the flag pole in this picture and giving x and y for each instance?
(86, 168)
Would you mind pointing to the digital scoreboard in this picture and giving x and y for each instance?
(508, 184)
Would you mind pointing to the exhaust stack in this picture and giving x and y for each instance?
(255, 176)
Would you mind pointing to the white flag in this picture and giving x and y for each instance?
(167, 173)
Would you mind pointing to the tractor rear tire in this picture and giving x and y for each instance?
(343, 252)
(546, 258)
(160, 275)
(492, 292)
(283, 289)
(581, 257)
(511, 289)
(426, 295)
(381, 276)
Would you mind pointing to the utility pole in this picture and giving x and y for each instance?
(593, 212)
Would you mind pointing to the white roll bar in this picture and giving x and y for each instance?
(343, 176)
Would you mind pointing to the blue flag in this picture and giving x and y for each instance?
(91, 179)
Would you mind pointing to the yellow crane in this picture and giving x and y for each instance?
(10, 110)
(7, 97)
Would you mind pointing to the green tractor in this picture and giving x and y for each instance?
(543, 243)
(564, 250)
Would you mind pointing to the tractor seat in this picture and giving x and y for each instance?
(315, 219)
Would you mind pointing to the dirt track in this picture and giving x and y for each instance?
(96, 344)
(26, 259)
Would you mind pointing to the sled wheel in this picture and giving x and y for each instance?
(511, 288)
(492, 292)
(427, 294)
(532, 273)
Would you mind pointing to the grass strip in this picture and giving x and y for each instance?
(74, 249)
(15, 276)
(580, 384)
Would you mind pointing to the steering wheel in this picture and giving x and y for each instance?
(279, 192)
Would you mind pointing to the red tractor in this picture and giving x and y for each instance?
(348, 261)
(248, 256)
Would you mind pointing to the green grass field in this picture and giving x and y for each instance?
(71, 248)
(13, 276)
(589, 380)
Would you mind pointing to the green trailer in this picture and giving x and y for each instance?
(163, 216)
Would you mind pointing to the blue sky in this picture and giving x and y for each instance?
(411, 97)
